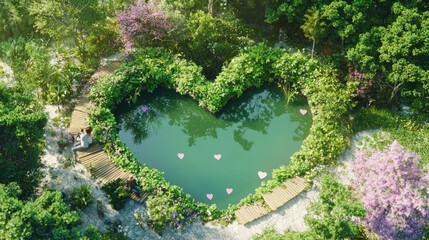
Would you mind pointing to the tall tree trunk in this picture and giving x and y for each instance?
(210, 8)
(395, 90)
(312, 49)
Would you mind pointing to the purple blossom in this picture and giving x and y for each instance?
(143, 22)
(394, 192)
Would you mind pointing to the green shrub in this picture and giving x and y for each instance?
(47, 217)
(116, 193)
(331, 216)
(91, 233)
(373, 118)
(82, 196)
(213, 41)
(22, 123)
(410, 130)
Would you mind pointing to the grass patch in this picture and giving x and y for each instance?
(410, 130)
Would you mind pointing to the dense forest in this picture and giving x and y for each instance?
(375, 54)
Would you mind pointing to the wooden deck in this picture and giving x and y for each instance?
(94, 158)
(100, 166)
(278, 197)
(79, 118)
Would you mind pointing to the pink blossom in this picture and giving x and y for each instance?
(143, 22)
(394, 192)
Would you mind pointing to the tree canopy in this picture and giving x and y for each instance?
(48, 217)
(22, 123)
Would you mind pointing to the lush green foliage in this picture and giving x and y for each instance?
(254, 66)
(397, 52)
(410, 130)
(212, 41)
(313, 26)
(14, 20)
(92, 233)
(329, 100)
(81, 28)
(32, 69)
(48, 217)
(116, 193)
(22, 123)
(385, 40)
(82, 196)
(331, 217)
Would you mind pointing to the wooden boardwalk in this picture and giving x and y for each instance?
(106, 69)
(278, 197)
(281, 195)
(94, 158)
(100, 166)
(247, 214)
(79, 118)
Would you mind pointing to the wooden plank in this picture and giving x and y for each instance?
(82, 107)
(110, 178)
(79, 114)
(91, 149)
(240, 217)
(247, 214)
(124, 175)
(104, 169)
(299, 182)
(94, 160)
(88, 152)
(291, 192)
(100, 164)
(96, 157)
(274, 199)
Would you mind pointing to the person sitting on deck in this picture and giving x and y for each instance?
(132, 186)
(83, 141)
(88, 132)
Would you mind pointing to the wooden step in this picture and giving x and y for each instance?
(282, 194)
(247, 214)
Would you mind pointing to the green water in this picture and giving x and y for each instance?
(257, 132)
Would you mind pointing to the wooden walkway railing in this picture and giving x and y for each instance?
(274, 199)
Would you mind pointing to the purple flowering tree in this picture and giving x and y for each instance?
(142, 24)
(394, 192)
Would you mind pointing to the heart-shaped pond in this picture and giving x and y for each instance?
(216, 159)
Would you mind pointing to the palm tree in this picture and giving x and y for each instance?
(313, 26)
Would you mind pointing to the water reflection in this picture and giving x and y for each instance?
(252, 112)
